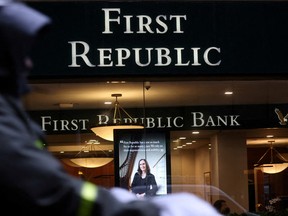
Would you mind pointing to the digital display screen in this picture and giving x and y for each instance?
(131, 146)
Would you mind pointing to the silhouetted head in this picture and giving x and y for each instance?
(20, 27)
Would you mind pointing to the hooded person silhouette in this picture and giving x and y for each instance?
(33, 181)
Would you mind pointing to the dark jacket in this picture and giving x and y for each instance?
(147, 185)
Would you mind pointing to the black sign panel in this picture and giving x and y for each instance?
(102, 39)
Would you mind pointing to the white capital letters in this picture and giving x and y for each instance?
(206, 59)
(108, 20)
(83, 55)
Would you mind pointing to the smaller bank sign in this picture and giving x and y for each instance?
(168, 119)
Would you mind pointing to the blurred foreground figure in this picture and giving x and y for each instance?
(33, 182)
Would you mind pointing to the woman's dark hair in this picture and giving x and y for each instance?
(218, 204)
(147, 166)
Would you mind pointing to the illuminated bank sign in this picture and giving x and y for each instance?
(106, 39)
(180, 118)
(198, 120)
(160, 56)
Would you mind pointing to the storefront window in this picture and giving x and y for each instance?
(215, 160)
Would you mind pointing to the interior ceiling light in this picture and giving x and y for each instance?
(106, 131)
(270, 136)
(228, 93)
(87, 157)
(272, 167)
(91, 162)
(66, 105)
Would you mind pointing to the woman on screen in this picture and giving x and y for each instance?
(144, 183)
